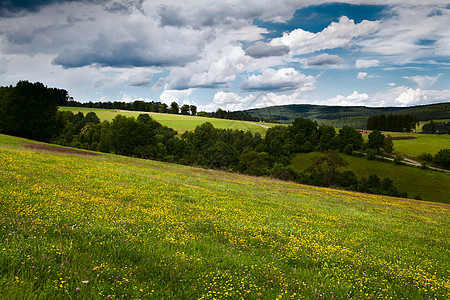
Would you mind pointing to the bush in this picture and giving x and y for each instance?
(348, 149)
(426, 157)
(398, 160)
(443, 158)
(371, 153)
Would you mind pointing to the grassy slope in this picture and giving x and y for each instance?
(430, 185)
(180, 123)
(92, 227)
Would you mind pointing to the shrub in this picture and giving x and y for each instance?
(348, 149)
(398, 160)
(371, 153)
(426, 157)
(443, 158)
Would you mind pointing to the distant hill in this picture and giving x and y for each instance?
(338, 116)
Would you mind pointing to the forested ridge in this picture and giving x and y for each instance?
(30, 110)
(355, 116)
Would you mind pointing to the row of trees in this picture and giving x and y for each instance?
(396, 123)
(137, 105)
(232, 115)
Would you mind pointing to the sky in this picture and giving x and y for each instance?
(231, 54)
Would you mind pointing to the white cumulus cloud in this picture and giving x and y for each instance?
(366, 63)
(336, 35)
(285, 79)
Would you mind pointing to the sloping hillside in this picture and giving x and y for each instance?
(105, 226)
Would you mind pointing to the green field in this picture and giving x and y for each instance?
(428, 184)
(89, 227)
(180, 123)
(428, 143)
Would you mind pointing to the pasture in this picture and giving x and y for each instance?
(82, 227)
(180, 123)
(428, 184)
(428, 143)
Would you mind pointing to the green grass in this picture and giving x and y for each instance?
(180, 123)
(429, 185)
(75, 227)
(428, 143)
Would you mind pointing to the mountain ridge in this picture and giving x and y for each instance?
(338, 116)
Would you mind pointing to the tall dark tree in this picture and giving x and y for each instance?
(174, 108)
(376, 140)
(184, 110)
(327, 165)
(29, 110)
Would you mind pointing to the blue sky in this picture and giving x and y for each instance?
(231, 54)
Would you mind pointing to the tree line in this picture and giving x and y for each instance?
(392, 122)
(158, 107)
(30, 110)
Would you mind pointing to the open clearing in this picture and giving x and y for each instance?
(180, 123)
(105, 226)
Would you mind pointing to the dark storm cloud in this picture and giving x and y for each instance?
(325, 59)
(105, 52)
(260, 49)
(12, 7)
(170, 16)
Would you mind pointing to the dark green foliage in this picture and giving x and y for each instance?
(374, 185)
(29, 110)
(339, 116)
(349, 136)
(327, 139)
(326, 166)
(442, 158)
(348, 180)
(398, 159)
(388, 144)
(184, 110)
(436, 127)
(287, 173)
(428, 157)
(255, 163)
(193, 109)
(174, 108)
(372, 153)
(376, 140)
(348, 149)
(392, 122)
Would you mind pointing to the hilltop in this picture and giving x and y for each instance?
(338, 116)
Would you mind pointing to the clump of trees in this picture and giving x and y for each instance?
(436, 127)
(29, 110)
(232, 115)
(442, 158)
(392, 122)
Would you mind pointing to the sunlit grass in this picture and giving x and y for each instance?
(76, 227)
(180, 123)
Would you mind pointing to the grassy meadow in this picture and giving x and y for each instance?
(428, 184)
(180, 123)
(83, 227)
(428, 143)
